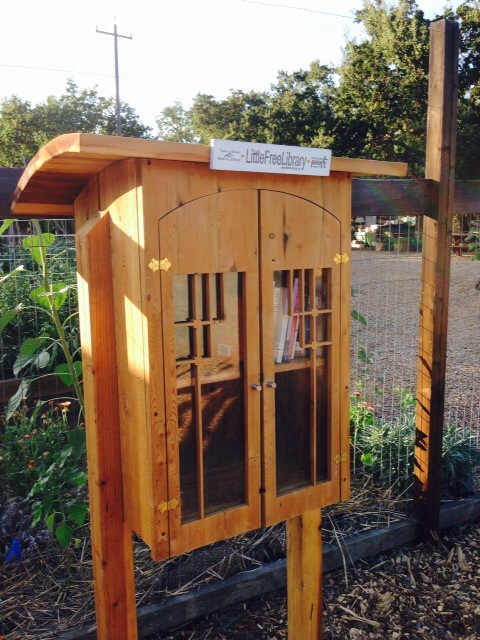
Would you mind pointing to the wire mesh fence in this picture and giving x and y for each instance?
(386, 284)
(386, 280)
(39, 409)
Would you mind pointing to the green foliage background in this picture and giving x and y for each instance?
(373, 105)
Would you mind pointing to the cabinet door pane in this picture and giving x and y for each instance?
(210, 393)
(322, 410)
(292, 429)
(223, 399)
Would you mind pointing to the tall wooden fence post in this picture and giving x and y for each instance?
(437, 249)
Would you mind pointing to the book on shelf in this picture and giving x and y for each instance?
(292, 326)
(289, 331)
(280, 323)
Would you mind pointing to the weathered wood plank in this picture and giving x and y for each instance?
(437, 249)
(391, 198)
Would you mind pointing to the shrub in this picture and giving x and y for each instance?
(385, 448)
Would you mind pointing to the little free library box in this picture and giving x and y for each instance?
(215, 310)
(231, 306)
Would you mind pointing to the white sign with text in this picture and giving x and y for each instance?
(229, 155)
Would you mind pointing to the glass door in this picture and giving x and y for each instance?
(211, 341)
(300, 292)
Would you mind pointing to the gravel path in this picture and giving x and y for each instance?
(386, 289)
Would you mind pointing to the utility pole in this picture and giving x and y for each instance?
(116, 35)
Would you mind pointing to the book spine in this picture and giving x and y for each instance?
(292, 329)
(280, 322)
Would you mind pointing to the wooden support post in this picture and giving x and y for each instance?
(304, 576)
(112, 545)
(437, 249)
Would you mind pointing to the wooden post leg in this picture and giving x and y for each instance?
(437, 248)
(304, 576)
(112, 545)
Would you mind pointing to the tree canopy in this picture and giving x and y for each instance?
(25, 128)
(380, 102)
(373, 105)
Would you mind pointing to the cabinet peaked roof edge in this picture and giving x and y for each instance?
(60, 170)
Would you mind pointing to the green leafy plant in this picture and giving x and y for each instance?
(37, 353)
(42, 458)
(473, 239)
(385, 448)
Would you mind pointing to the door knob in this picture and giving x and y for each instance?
(272, 385)
(257, 387)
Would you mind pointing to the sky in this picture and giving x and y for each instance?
(178, 48)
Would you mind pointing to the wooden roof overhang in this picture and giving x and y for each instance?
(60, 170)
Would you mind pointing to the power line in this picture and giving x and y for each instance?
(83, 73)
(286, 6)
(76, 73)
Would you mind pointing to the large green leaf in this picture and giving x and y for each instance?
(5, 225)
(34, 244)
(16, 399)
(57, 292)
(78, 513)
(63, 534)
(32, 345)
(7, 317)
(76, 437)
(65, 453)
(39, 360)
(50, 521)
(63, 372)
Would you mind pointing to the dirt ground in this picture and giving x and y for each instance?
(427, 591)
(424, 591)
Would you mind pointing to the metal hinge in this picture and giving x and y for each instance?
(156, 265)
(168, 506)
(338, 259)
(340, 457)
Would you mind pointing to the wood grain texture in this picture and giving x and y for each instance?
(112, 549)
(298, 234)
(304, 576)
(216, 234)
(119, 191)
(60, 170)
(437, 243)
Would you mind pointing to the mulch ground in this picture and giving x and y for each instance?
(430, 590)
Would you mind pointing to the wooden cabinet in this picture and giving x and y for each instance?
(219, 432)
(202, 420)
(222, 433)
